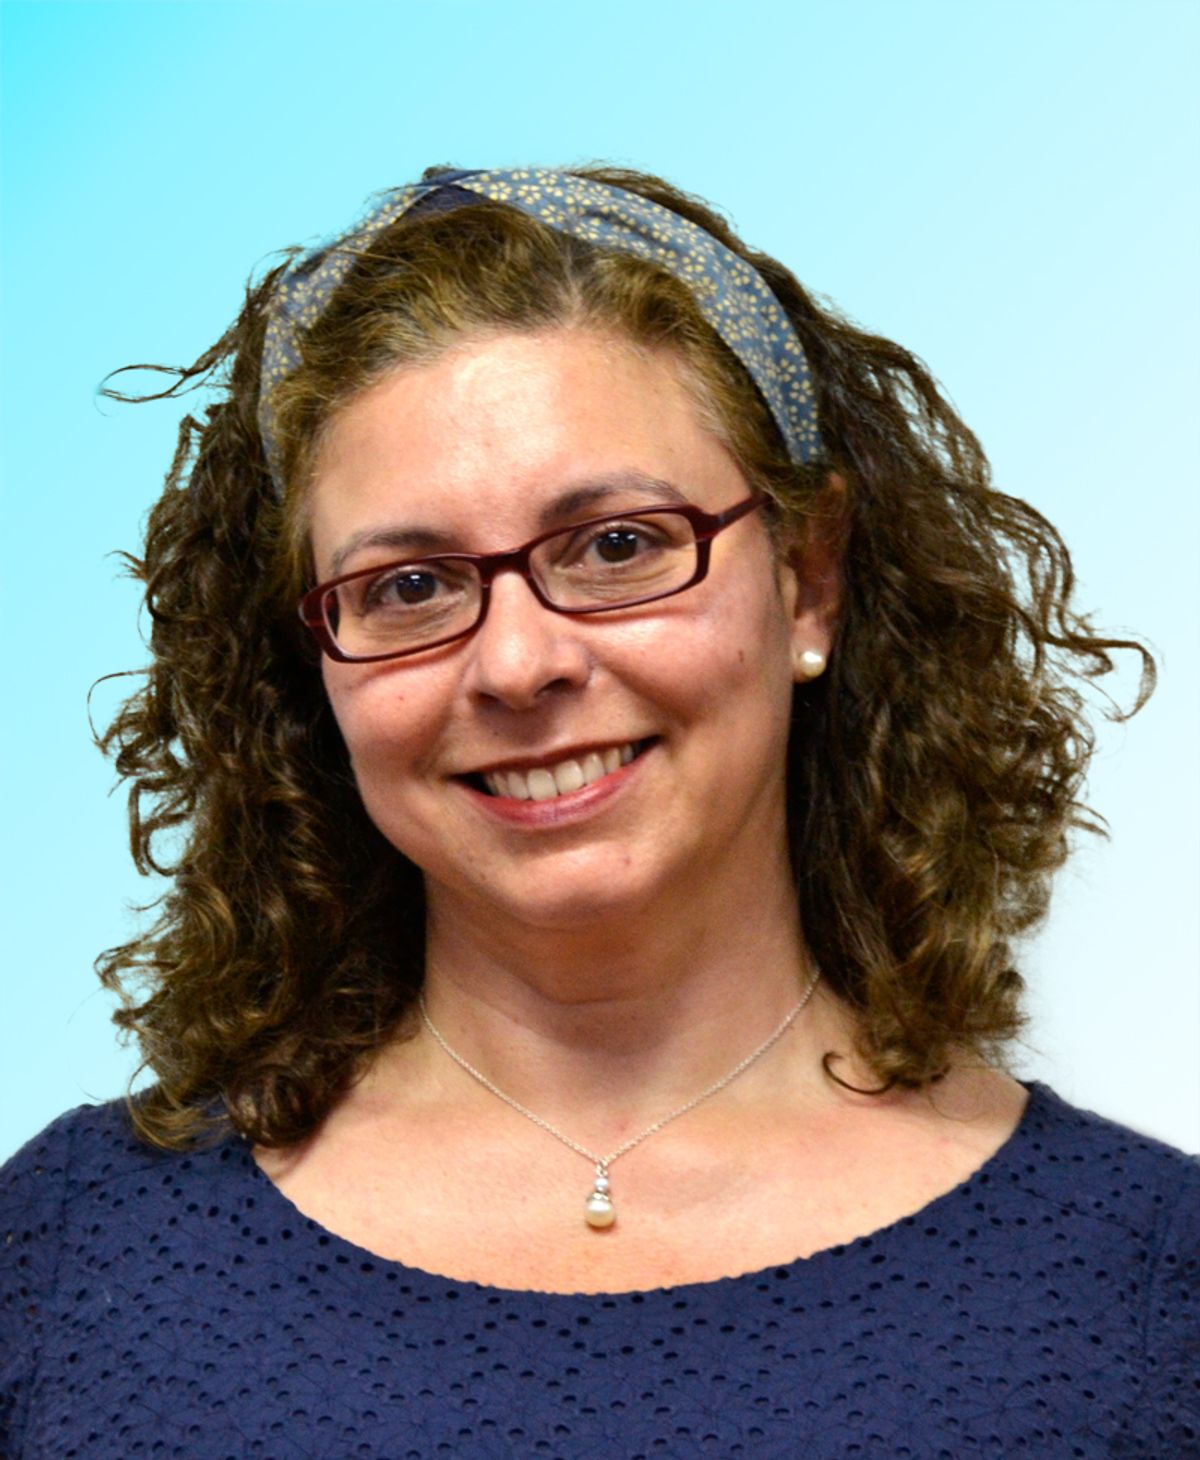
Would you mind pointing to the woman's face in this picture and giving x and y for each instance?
(480, 451)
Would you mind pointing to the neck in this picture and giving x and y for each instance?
(601, 1030)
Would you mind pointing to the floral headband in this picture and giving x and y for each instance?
(731, 295)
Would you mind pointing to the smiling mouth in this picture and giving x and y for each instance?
(544, 783)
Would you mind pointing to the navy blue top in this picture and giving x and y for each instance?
(162, 1304)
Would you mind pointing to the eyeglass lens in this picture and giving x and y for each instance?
(594, 566)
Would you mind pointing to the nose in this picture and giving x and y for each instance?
(522, 649)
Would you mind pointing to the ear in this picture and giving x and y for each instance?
(812, 581)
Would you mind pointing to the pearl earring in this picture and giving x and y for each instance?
(810, 663)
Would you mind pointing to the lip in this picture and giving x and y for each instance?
(571, 806)
(525, 764)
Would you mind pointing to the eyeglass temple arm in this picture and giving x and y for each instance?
(717, 520)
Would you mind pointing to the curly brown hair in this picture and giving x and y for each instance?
(934, 773)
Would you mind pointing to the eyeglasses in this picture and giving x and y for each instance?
(597, 566)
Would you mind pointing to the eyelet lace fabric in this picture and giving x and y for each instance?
(167, 1305)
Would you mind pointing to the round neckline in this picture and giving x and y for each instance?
(1005, 1157)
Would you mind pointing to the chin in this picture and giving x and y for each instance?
(588, 893)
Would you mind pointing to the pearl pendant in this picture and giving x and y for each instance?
(598, 1211)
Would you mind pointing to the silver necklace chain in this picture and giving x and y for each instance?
(599, 1211)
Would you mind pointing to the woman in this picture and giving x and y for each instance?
(577, 1014)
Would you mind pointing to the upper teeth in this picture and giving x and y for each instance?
(554, 780)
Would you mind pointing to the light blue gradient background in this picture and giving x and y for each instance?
(1007, 188)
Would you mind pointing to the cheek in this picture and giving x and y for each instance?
(726, 668)
(342, 689)
(384, 719)
(754, 673)
(747, 638)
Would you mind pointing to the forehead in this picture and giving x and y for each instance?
(479, 442)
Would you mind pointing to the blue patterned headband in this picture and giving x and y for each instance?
(731, 295)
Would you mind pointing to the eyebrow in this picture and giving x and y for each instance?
(420, 540)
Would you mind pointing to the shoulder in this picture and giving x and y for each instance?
(50, 1173)
(88, 1144)
(88, 1162)
(1099, 1168)
(1095, 1213)
(38, 1186)
(1121, 1210)
(73, 1198)
(84, 1151)
(49, 1185)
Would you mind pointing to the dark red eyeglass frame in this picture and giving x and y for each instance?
(705, 526)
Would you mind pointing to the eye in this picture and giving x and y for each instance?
(618, 544)
(408, 586)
